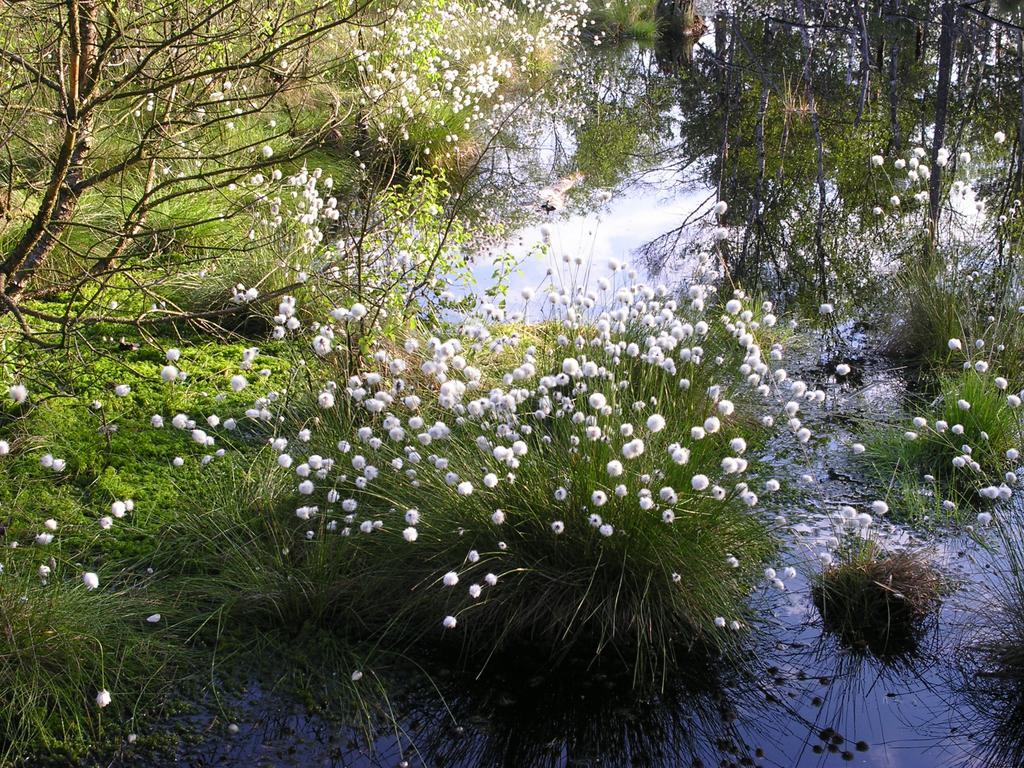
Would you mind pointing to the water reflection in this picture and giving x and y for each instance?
(590, 718)
(778, 110)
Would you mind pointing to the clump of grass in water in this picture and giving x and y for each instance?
(596, 514)
(876, 599)
(965, 445)
(994, 669)
(625, 19)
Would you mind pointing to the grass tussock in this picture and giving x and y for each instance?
(625, 19)
(877, 600)
(60, 645)
(963, 442)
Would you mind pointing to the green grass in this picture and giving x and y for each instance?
(625, 18)
(957, 300)
(990, 428)
(59, 646)
(59, 643)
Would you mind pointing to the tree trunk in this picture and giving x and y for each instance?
(60, 199)
(946, 43)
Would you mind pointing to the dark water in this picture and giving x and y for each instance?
(743, 114)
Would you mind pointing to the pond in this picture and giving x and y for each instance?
(777, 110)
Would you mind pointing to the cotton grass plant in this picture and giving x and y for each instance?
(588, 498)
(967, 446)
(63, 648)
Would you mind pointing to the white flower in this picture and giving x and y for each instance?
(169, 373)
(656, 422)
(614, 468)
(410, 534)
(103, 698)
(18, 393)
(599, 498)
(721, 207)
(558, 526)
(879, 507)
(449, 622)
(464, 488)
(955, 345)
(450, 579)
(91, 581)
(999, 137)
(700, 482)
(122, 390)
(238, 382)
(633, 448)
